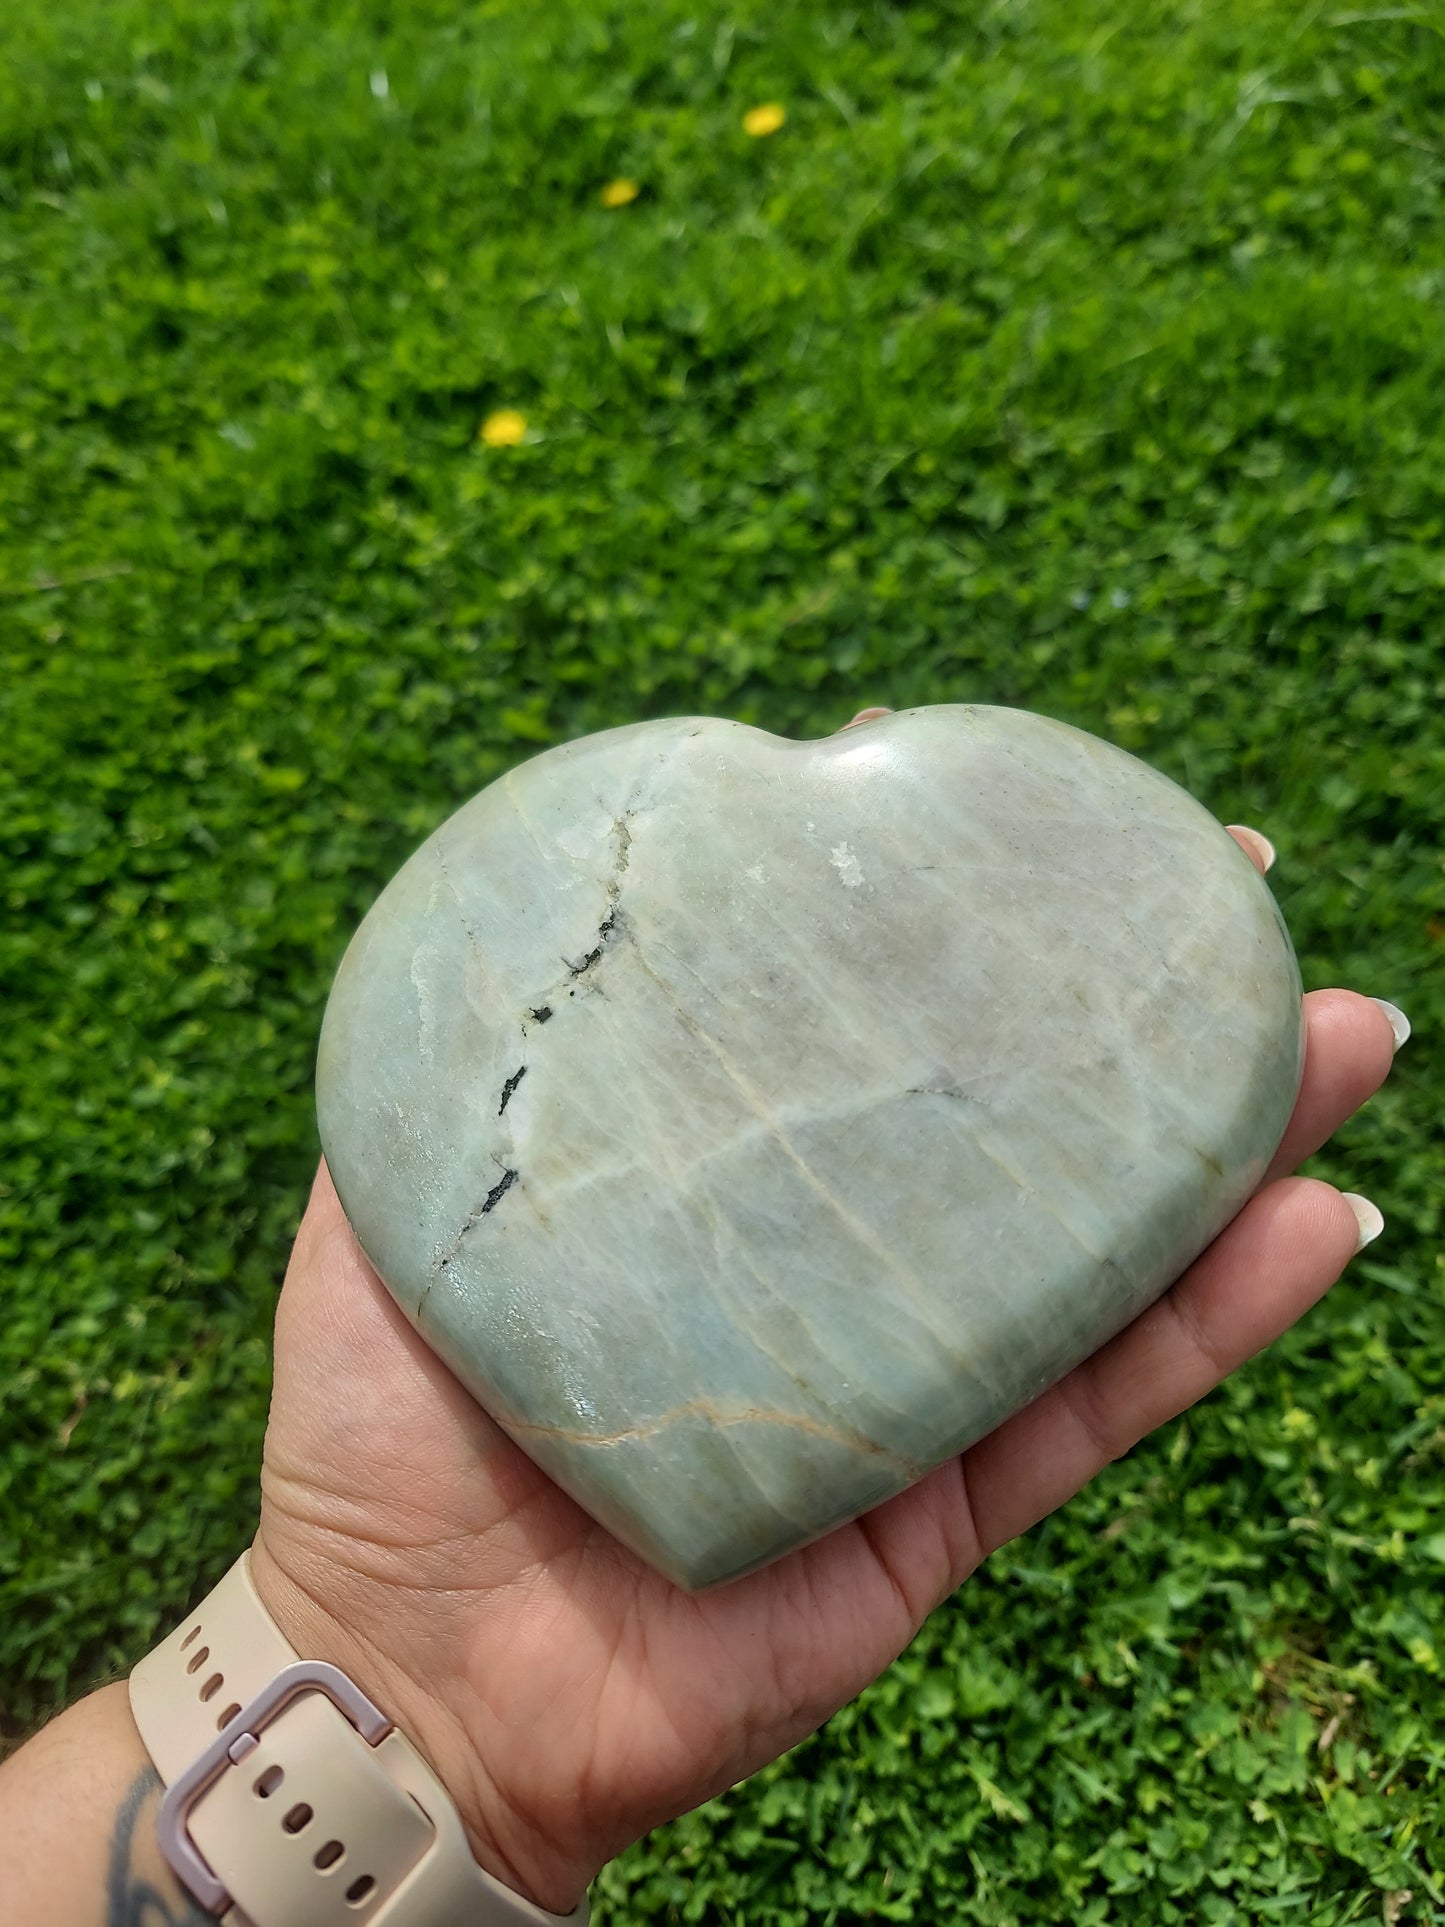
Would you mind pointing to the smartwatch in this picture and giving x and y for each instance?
(291, 1800)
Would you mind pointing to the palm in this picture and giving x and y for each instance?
(569, 1696)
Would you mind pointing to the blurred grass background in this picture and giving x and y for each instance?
(1060, 353)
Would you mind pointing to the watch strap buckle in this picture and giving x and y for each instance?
(238, 1738)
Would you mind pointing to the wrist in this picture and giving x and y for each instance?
(78, 1806)
(353, 1621)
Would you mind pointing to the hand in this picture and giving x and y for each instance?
(571, 1699)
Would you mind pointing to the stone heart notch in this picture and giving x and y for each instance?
(752, 1124)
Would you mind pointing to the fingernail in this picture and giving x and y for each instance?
(864, 716)
(1257, 842)
(1367, 1217)
(1399, 1022)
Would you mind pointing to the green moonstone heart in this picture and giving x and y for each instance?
(752, 1124)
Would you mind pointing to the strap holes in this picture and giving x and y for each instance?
(194, 1633)
(198, 1659)
(300, 1816)
(359, 1890)
(327, 1856)
(212, 1686)
(224, 1719)
(267, 1784)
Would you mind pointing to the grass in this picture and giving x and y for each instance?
(1061, 353)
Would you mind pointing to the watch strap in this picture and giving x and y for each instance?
(291, 1800)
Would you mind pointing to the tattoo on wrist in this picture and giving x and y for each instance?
(132, 1898)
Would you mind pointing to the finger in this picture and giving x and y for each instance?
(1349, 1046)
(1255, 844)
(322, 1220)
(863, 716)
(1264, 1271)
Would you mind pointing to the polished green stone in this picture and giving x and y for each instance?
(752, 1124)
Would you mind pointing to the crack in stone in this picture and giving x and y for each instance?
(511, 1084)
(604, 931)
(493, 1198)
(708, 1410)
(620, 836)
(498, 1191)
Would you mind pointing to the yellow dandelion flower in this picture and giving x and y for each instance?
(767, 119)
(503, 428)
(619, 193)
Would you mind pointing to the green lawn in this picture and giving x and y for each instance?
(1076, 354)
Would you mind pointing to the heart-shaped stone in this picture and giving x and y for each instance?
(752, 1124)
